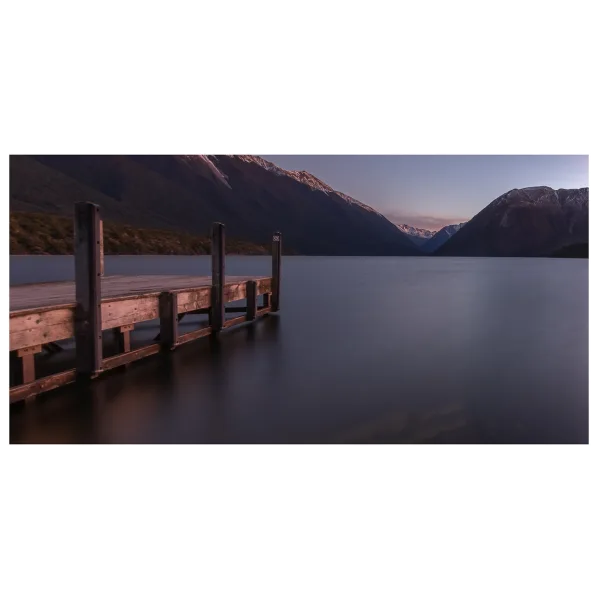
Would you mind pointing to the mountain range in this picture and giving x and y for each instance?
(415, 234)
(534, 221)
(440, 238)
(255, 197)
(252, 196)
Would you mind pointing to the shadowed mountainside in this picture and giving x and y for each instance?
(440, 238)
(534, 221)
(251, 196)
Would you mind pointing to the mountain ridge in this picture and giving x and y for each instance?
(441, 237)
(188, 192)
(416, 234)
(533, 221)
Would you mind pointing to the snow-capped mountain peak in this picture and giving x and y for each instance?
(415, 231)
(303, 177)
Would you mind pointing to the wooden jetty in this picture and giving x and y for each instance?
(42, 314)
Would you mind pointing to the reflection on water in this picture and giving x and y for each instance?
(364, 350)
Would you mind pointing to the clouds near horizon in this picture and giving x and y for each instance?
(430, 222)
(431, 191)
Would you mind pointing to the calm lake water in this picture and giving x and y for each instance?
(385, 350)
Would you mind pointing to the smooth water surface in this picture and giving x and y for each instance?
(366, 349)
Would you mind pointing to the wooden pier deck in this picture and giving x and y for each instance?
(42, 314)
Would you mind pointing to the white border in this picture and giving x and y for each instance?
(4, 307)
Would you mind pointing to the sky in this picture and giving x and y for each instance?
(432, 191)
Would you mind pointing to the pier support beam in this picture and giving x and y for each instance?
(276, 271)
(168, 320)
(251, 297)
(101, 248)
(122, 337)
(88, 319)
(217, 313)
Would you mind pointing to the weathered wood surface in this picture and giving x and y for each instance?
(251, 297)
(119, 360)
(88, 295)
(32, 296)
(169, 320)
(276, 250)
(196, 334)
(44, 312)
(217, 242)
(44, 384)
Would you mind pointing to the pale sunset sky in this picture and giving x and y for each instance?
(432, 191)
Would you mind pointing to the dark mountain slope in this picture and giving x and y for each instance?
(527, 222)
(440, 238)
(251, 196)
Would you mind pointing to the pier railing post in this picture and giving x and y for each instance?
(276, 271)
(168, 320)
(101, 248)
(217, 310)
(88, 294)
(251, 299)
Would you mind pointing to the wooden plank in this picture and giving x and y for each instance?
(117, 313)
(276, 270)
(217, 241)
(193, 300)
(251, 298)
(28, 367)
(123, 359)
(168, 320)
(234, 321)
(237, 291)
(37, 296)
(264, 285)
(44, 384)
(88, 319)
(41, 327)
(263, 311)
(31, 350)
(194, 335)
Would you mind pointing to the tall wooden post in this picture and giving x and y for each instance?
(276, 271)
(251, 299)
(88, 296)
(101, 248)
(167, 304)
(217, 311)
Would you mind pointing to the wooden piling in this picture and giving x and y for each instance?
(276, 270)
(101, 248)
(217, 240)
(251, 297)
(168, 320)
(88, 318)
